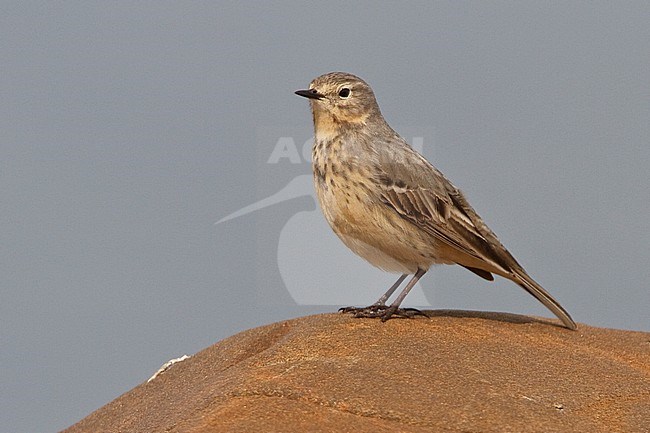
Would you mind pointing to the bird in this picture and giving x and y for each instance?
(391, 206)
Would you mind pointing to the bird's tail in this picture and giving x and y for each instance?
(544, 297)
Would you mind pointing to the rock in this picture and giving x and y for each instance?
(452, 371)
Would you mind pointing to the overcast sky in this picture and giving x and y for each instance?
(129, 128)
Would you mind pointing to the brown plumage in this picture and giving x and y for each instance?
(390, 205)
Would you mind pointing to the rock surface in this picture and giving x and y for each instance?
(452, 371)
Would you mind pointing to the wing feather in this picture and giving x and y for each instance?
(421, 194)
(431, 214)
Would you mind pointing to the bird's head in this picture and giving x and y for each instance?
(339, 99)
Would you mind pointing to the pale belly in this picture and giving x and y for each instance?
(375, 232)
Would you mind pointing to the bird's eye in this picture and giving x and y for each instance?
(344, 92)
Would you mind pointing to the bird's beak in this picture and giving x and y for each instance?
(311, 94)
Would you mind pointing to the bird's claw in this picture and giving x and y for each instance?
(382, 312)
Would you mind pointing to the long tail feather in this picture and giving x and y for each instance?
(545, 298)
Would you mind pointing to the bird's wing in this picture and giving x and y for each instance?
(422, 195)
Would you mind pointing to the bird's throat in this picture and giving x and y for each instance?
(326, 126)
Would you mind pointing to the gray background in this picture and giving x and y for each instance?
(128, 129)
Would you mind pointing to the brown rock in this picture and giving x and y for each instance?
(449, 372)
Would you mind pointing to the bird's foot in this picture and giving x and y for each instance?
(368, 309)
(382, 312)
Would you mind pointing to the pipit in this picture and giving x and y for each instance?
(389, 205)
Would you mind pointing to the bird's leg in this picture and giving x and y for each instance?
(381, 302)
(396, 303)
(379, 308)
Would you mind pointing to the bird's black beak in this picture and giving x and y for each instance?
(311, 94)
